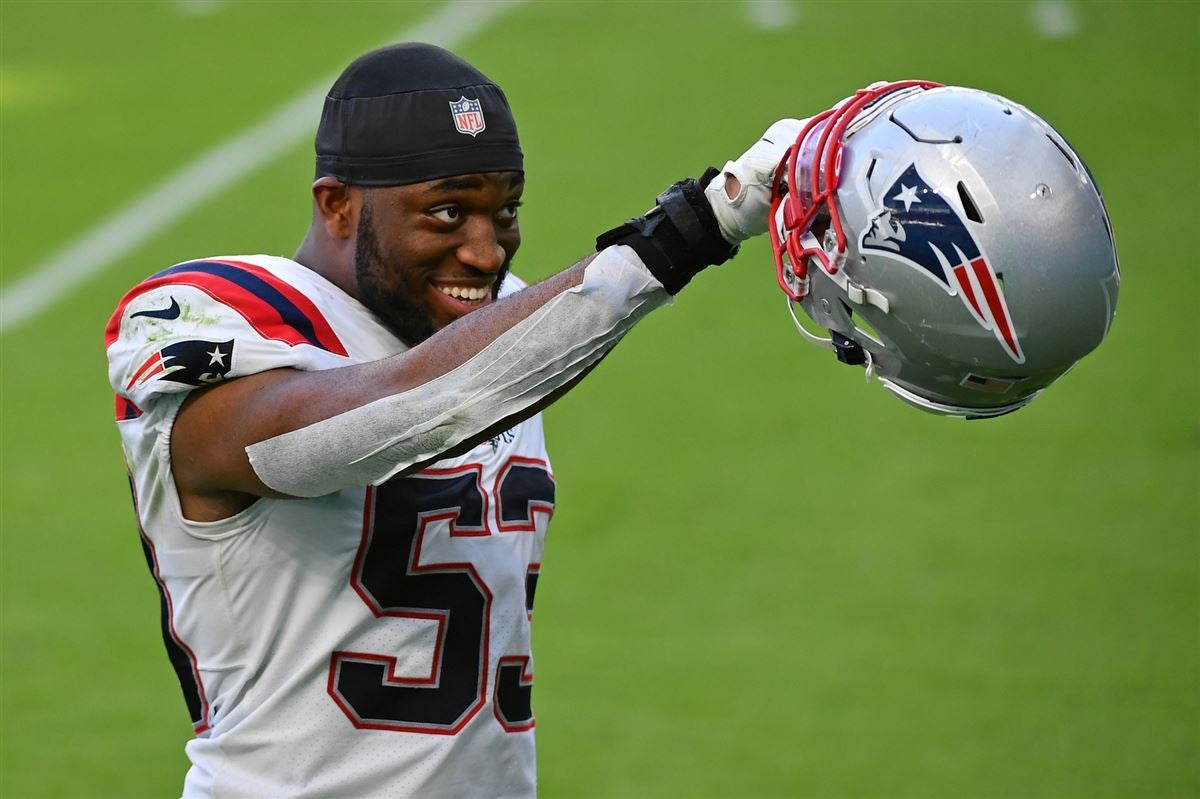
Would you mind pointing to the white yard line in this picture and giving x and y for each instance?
(1054, 19)
(771, 15)
(212, 172)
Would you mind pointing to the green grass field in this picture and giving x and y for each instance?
(764, 578)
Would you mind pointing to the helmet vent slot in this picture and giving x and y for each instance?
(871, 168)
(1066, 153)
(969, 207)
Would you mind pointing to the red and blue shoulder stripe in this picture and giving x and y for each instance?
(273, 307)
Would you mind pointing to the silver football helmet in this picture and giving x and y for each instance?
(949, 240)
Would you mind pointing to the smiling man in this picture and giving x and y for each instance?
(337, 461)
(413, 218)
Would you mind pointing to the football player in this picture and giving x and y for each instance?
(337, 461)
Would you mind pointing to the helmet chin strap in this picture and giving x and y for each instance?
(823, 343)
(827, 343)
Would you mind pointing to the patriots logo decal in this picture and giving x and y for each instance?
(193, 363)
(916, 226)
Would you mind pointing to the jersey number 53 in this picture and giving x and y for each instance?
(391, 578)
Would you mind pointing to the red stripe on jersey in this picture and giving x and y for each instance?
(262, 315)
(329, 339)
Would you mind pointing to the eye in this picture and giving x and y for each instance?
(509, 212)
(448, 214)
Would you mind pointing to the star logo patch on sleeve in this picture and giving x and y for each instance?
(193, 363)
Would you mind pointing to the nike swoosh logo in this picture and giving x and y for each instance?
(170, 312)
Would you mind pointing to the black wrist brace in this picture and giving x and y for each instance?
(677, 237)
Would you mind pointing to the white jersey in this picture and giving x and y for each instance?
(369, 643)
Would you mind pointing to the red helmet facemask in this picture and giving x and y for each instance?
(816, 186)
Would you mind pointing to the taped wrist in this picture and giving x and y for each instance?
(678, 237)
(526, 363)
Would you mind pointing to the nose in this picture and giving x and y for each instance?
(480, 248)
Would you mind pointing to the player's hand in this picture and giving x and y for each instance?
(741, 194)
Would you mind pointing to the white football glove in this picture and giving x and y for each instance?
(745, 215)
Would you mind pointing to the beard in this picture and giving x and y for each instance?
(404, 315)
(400, 313)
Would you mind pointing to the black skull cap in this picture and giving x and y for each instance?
(414, 112)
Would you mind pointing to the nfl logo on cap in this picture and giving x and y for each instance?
(468, 116)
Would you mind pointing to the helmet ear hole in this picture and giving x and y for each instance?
(861, 324)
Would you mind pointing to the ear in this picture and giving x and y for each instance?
(337, 205)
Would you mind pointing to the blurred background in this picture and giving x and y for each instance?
(764, 578)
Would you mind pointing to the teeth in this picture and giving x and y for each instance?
(464, 292)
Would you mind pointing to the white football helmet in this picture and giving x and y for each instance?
(948, 239)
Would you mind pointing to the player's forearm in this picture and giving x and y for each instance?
(507, 422)
(530, 351)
